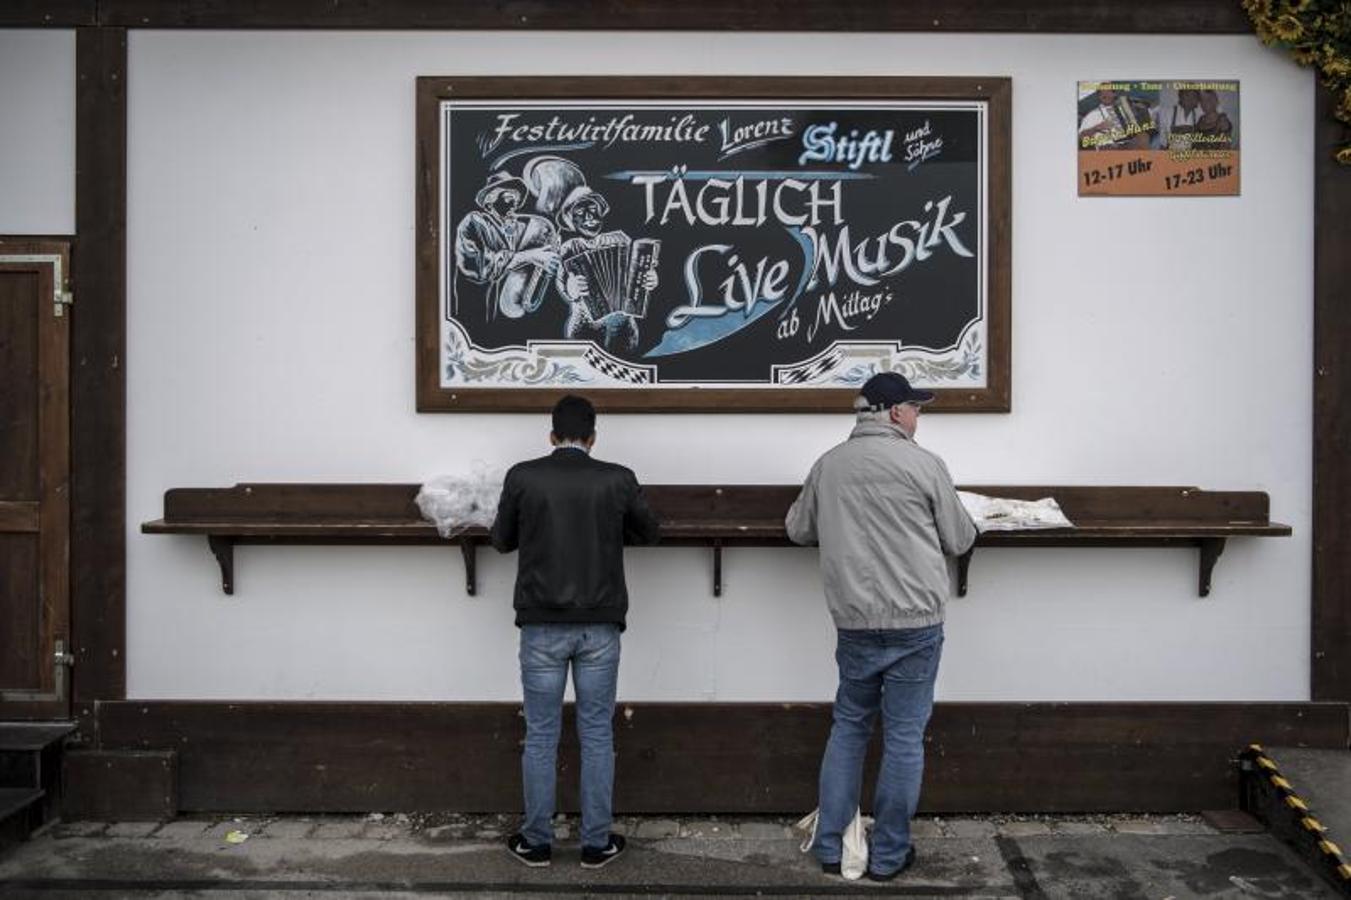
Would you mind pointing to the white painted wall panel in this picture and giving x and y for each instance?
(37, 132)
(271, 339)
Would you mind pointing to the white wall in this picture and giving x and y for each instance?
(271, 339)
(37, 132)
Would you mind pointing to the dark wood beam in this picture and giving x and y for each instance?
(1064, 16)
(707, 757)
(125, 785)
(48, 13)
(98, 363)
(1331, 613)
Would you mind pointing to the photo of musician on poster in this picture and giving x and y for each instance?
(727, 244)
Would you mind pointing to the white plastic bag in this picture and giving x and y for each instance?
(854, 853)
(456, 502)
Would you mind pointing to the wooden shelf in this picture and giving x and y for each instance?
(711, 516)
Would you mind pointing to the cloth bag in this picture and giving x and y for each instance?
(854, 852)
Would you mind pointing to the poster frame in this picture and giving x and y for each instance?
(432, 396)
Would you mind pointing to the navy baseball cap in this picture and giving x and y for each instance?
(887, 389)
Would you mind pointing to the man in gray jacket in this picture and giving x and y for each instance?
(886, 516)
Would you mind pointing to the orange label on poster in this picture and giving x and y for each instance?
(1147, 173)
(1158, 138)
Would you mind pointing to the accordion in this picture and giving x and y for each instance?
(614, 267)
(1132, 119)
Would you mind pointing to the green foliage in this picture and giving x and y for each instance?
(1317, 33)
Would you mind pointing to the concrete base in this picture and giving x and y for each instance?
(1100, 857)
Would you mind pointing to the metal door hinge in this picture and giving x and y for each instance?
(60, 298)
(61, 661)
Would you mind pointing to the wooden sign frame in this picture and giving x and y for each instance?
(436, 262)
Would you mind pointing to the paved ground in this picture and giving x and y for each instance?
(396, 855)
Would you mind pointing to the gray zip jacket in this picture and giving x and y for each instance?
(886, 514)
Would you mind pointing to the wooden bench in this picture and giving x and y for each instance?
(714, 516)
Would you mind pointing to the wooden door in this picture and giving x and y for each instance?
(34, 479)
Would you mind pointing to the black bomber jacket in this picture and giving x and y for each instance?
(570, 516)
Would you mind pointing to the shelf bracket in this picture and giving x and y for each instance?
(717, 568)
(223, 547)
(469, 550)
(963, 567)
(1210, 548)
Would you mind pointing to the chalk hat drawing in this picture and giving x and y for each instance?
(576, 196)
(551, 179)
(499, 181)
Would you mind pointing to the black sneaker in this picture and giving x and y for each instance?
(830, 869)
(535, 857)
(595, 857)
(909, 861)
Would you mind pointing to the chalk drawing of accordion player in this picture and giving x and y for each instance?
(515, 254)
(606, 278)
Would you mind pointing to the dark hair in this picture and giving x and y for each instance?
(574, 419)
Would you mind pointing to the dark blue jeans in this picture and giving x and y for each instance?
(546, 653)
(891, 671)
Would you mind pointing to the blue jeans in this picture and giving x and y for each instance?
(892, 671)
(546, 652)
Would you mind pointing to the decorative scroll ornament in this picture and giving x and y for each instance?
(466, 364)
(851, 364)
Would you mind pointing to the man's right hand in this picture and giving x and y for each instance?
(539, 256)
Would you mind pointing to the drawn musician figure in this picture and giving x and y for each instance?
(514, 253)
(605, 278)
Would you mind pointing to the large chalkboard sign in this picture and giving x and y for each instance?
(711, 244)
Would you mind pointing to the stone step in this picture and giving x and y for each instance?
(16, 800)
(32, 735)
(1322, 778)
(20, 813)
(30, 763)
(30, 753)
(1303, 796)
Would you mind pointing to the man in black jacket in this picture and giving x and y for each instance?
(570, 516)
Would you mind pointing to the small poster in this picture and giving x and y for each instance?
(1158, 138)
